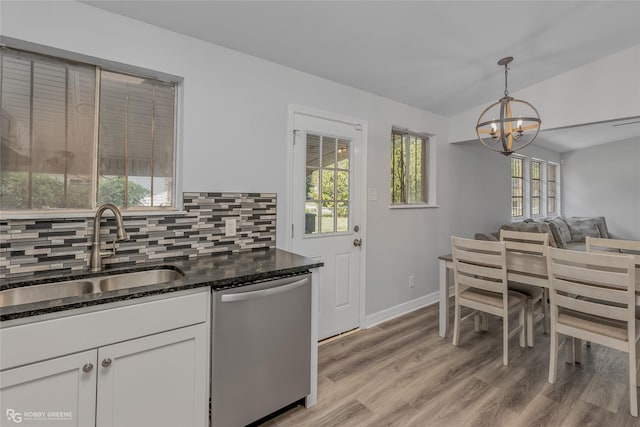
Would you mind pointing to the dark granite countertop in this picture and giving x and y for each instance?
(216, 271)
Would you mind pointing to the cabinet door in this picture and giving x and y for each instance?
(60, 391)
(159, 380)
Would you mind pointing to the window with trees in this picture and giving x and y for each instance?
(408, 168)
(75, 135)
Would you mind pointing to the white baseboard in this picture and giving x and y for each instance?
(400, 309)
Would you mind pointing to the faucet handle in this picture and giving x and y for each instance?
(109, 252)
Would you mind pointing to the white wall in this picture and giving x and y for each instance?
(605, 181)
(481, 186)
(235, 129)
(606, 89)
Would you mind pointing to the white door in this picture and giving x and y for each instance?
(326, 214)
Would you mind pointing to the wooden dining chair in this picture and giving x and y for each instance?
(534, 244)
(480, 278)
(593, 299)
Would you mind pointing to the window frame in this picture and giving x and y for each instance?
(116, 67)
(558, 194)
(429, 183)
(542, 209)
(544, 191)
(523, 178)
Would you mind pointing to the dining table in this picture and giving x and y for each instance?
(524, 268)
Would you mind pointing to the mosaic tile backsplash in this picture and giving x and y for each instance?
(32, 245)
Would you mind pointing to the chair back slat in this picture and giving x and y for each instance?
(523, 241)
(610, 277)
(474, 282)
(592, 308)
(618, 296)
(608, 246)
(490, 272)
(480, 258)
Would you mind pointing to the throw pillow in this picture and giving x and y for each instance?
(564, 235)
(600, 222)
(546, 228)
(582, 227)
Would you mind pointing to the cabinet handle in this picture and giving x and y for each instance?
(87, 367)
(106, 362)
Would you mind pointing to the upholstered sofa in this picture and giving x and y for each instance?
(566, 233)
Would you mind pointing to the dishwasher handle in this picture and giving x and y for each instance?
(244, 296)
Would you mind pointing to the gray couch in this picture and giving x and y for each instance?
(566, 233)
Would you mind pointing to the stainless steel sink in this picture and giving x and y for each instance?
(46, 292)
(90, 285)
(139, 278)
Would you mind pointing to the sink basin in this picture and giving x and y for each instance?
(139, 278)
(91, 285)
(46, 292)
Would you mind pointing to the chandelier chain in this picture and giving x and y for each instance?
(506, 71)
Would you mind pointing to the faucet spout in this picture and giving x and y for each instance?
(95, 262)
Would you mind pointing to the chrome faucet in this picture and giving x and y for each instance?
(95, 263)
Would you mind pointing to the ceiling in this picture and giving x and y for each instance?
(440, 56)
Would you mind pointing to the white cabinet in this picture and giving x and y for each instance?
(159, 378)
(60, 391)
(153, 381)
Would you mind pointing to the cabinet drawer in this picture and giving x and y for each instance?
(24, 344)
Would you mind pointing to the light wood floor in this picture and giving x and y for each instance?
(401, 373)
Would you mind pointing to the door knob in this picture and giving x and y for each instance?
(357, 242)
(106, 362)
(87, 367)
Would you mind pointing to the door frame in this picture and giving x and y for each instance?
(294, 109)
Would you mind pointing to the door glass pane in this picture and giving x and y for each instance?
(311, 218)
(342, 185)
(328, 152)
(328, 217)
(327, 184)
(342, 217)
(312, 184)
(313, 150)
(343, 154)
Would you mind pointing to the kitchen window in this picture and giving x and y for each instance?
(76, 135)
(409, 168)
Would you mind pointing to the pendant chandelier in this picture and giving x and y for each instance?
(517, 123)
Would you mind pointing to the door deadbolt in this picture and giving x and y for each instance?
(356, 228)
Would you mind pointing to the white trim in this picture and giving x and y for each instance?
(401, 309)
(22, 215)
(414, 206)
(294, 109)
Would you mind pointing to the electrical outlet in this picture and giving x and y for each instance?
(412, 281)
(230, 227)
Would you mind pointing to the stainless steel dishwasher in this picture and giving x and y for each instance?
(261, 349)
